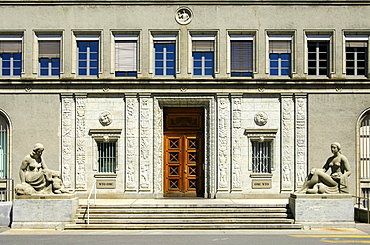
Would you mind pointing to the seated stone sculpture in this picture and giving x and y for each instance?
(320, 182)
(36, 177)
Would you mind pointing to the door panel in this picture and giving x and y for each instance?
(183, 156)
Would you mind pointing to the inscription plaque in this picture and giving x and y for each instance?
(261, 184)
(105, 184)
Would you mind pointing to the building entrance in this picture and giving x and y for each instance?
(184, 156)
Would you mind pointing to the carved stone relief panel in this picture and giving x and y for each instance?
(287, 142)
(80, 142)
(132, 132)
(236, 144)
(301, 139)
(223, 143)
(158, 147)
(145, 144)
(68, 136)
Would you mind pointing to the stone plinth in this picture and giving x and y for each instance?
(5, 212)
(44, 211)
(321, 210)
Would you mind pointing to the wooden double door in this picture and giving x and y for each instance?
(183, 156)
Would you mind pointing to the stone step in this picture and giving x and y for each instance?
(181, 210)
(181, 216)
(179, 226)
(186, 221)
(185, 205)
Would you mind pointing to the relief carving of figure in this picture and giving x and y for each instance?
(36, 177)
(319, 181)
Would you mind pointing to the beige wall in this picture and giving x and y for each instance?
(333, 118)
(35, 118)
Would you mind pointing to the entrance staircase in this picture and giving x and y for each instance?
(171, 216)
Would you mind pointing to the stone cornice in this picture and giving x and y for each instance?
(179, 2)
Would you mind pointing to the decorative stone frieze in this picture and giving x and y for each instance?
(132, 133)
(223, 143)
(236, 144)
(287, 142)
(80, 142)
(301, 139)
(158, 147)
(145, 136)
(68, 139)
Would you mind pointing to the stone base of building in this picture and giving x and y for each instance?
(5, 213)
(44, 211)
(317, 211)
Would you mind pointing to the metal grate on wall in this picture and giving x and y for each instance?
(107, 157)
(261, 157)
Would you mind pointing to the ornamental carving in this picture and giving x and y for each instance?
(105, 118)
(67, 140)
(223, 128)
(287, 142)
(80, 143)
(236, 144)
(261, 118)
(184, 15)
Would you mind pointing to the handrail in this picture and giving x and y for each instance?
(359, 204)
(88, 201)
(9, 192)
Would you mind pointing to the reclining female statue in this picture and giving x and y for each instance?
(319, 181)
(36, 177)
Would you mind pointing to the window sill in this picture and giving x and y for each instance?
(105, 175)
(261, 175)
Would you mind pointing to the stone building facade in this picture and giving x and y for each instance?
(207, 99)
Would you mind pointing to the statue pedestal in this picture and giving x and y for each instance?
(40, 211)
(323, 210)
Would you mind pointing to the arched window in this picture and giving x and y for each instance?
(364, 154)
(4, 128)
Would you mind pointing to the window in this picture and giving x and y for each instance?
(241, 47)
(318, 47)
(49, 55)
(203, 55)
(261, 157)
(3, 147)
(165, 55)
(11, 55)
(88, 55)
(280, 55)
(356, 55)
(107, 157)
(126, 55)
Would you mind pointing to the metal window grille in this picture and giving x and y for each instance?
(107, 157)
(261, 157)
(3, 147)
(365, 148)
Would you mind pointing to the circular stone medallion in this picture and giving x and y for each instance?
(105, 118)
(261, 118)
(184, 15)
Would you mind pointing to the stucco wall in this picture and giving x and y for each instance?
(34, 118)
(333, 118)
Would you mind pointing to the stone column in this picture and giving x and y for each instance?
(80, 142)
(287, 142)
(301, 138)
(132, 141)
(223, 149)
(68, 140)
(158, 148)
(146, 141)
(237, 132)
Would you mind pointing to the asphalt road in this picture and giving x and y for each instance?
(270, 237)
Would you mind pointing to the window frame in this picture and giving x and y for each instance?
(204, 37)
(75, 53)
(241, 37)
(125, 37)
(317, 38)
(356, 38)
(11, 38)
(270, 38)
(157, 38)
(49, 38)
